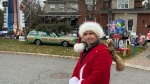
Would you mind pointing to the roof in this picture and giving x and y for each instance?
(50, 1)
(53, 0)
(138, 0)
(61, 14)
(136, 10)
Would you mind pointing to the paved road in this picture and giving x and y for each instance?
(26, 69)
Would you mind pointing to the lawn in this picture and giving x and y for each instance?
(14, 45)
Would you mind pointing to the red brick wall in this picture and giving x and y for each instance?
(83, 14)
(138, 4)
(103, 20)
(143, 19)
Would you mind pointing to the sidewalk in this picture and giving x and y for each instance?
(141, 61)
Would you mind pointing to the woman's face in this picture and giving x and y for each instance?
(90, 37)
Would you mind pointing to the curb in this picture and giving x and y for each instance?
(39, 54)
(135, 66)
(71, 57)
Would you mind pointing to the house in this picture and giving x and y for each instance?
(56, 11)
(136, 18)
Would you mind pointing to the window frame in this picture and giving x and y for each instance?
(52, 6)
(121, 4)
(61, 7)
(87, 20)
(132, 24)
(89, 4)
(74, 6)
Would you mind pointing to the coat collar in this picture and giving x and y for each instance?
(92, 52)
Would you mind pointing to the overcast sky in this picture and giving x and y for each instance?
(6, 0)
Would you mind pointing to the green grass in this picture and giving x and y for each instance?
(138, 50)
(14, 45)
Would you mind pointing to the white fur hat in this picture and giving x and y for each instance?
(86, 26)
(92, 26)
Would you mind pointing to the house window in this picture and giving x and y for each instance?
(89, 4)
(61, 7)
(123, 4)
(86, 19)
(130, 25)
(74, 7)
(52, 8)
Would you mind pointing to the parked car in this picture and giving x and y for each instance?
(40, 37)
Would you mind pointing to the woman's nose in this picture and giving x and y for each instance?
(88, 35)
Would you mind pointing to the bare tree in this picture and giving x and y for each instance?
(32, 10)
(146, 4)
(89, 7)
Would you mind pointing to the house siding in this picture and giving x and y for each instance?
(47, 8)
(138, 5)
(66, 5)
(83, 14)
(104, 20)
(126, 17)
(114, 4)
(143, 19)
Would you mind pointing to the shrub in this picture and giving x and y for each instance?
(57, 28)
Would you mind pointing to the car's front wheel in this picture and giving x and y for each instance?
(38, 42)
(65, 43)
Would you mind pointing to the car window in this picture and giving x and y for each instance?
(40, 33)
(53, 34)
(60, 34)
(33, 34)
(44, 34)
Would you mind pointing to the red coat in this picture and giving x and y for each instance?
(95, 68)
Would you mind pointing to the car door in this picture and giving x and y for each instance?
(53, 39)
(44, 38)
(32, 36)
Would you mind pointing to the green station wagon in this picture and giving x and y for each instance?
(40, 37)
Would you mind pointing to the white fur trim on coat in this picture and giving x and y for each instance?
(73, 80)
(81, 74)
(92, 26)
(79, 47)
(79, 82)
